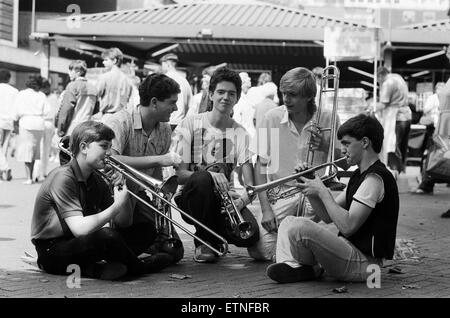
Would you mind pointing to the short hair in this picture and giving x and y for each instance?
(300, 81)
(34, 82)
(45, 86)
(79, 66)
(5, 76)
(264, 78)
(382, 70)
(89, 131)
(439, 85)
(159, 86)
(318, 72)
(224, 74)
(362, 126)
(113, 53)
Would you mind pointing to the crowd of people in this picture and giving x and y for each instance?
(228, 129)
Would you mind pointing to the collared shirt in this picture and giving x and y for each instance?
(394, 93)
(114, 91)
(77, 105)
(132, 140)
(280, 144)
(63, 194)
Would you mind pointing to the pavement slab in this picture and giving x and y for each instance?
(423, 258)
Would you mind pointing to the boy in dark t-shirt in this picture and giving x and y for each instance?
(74, 207)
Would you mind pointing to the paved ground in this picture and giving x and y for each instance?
(424, 259)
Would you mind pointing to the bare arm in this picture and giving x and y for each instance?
(347, 221)
(268, 220)
(83, 225)
(320, 209)
(146, 162)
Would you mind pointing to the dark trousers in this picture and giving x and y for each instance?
(120, 245)
(199, 199)
(397, 160)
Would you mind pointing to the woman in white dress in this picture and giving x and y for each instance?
(31, 108)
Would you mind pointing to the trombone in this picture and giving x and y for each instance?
(329, 73)
(159, 189)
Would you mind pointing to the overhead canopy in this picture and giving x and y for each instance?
(255, 35)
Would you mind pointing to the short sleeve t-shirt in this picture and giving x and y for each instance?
(200, 144)
(63, 194)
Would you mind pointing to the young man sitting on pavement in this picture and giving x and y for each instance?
(73, 208)
(365, 214)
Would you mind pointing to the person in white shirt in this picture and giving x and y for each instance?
(431, 107)
(168, 65)
(243, 111)
(8, 94)
(31, 108)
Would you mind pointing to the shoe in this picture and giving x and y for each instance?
(28, 182)
(421, 191)
(157, 262)
(105, 270)
(203, 254)
(446, 215)
(283, 273)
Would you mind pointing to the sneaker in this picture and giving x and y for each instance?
(421, 191)
(283, 273)
(106, 270)
(155, 263)
(28, 182)
(203, 254)
(446, 215)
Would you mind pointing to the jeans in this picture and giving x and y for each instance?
(265, 249)
(304, 242)
(122, 245)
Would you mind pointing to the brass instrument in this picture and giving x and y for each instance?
(162, 192)
(240, 227)
(274, 192)
(252, 190)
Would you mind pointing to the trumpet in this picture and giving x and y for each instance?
(163, 192)
(240, 227)
(274, 196)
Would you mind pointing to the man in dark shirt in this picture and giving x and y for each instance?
(365, 214)
(74, 207)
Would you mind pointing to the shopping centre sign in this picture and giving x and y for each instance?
(351, 43)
